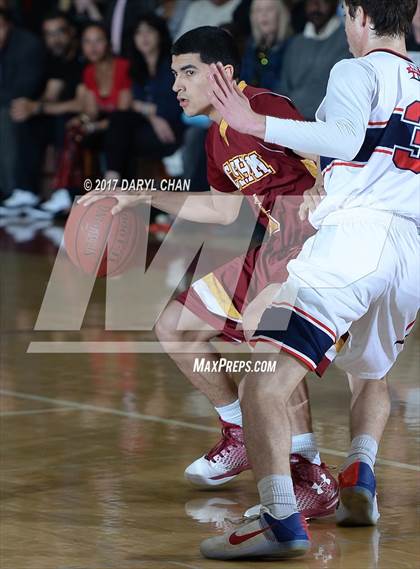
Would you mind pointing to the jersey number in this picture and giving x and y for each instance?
(409, 158)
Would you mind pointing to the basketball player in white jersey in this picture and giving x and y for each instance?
(359, 273)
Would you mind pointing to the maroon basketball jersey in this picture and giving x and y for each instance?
(261, 171)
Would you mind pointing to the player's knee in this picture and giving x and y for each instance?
(260, 388)
(359, 385)
(166, 325)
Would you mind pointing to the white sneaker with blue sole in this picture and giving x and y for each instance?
(358, 505)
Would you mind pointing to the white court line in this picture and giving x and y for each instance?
(179, 564)
(33, 412)
(174, 422)
(118, 412)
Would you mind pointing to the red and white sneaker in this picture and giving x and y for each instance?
(223, 462)
(315, 488)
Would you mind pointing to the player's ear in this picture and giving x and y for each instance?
(229, 71)
(361, 16)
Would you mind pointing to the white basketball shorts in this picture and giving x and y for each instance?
(359, 274)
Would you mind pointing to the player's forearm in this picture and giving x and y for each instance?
(335, 138)
(196, 206)
(256, 126)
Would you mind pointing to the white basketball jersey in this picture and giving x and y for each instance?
(385, 174)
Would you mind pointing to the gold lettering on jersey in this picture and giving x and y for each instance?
(246, 169)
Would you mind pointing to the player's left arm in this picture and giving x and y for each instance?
(351, 90)
(281, 107)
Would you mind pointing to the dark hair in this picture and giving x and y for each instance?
(138, 69)
(6, 14)
(389, 17)
(212, 45)
(57, 15)
(98, 26)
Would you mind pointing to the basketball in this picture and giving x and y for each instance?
(100, 243)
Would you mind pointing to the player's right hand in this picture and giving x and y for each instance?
(123, 200)
(311, 199)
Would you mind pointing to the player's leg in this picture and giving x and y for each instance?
(303, 441)
(300, 417)
(376, 340)
(264, 400)
(310, 476)
(178, 327)
(280, 529)
(370, 408)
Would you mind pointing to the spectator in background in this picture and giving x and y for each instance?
(173, 11)
(120, 16)
(83, 12)
(153, 127)
(106, 77)
(208, 13)
(263, 57)
(298, 18)
(309, 57)
(21, 75)
(106, 88)
(42, 122)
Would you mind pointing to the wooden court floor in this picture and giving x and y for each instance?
(93, 448)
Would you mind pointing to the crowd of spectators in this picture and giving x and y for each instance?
(91, 79)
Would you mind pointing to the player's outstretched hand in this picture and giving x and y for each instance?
(231, 103)
(123, 200)
(311, 199)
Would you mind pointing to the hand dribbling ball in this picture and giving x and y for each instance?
(100, 243)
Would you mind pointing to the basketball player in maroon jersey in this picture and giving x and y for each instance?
(220, 304)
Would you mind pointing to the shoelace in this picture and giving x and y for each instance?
(227, 442)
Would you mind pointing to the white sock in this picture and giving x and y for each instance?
(231, 413)
(277, 494)
(306, 446)
(363, 448)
